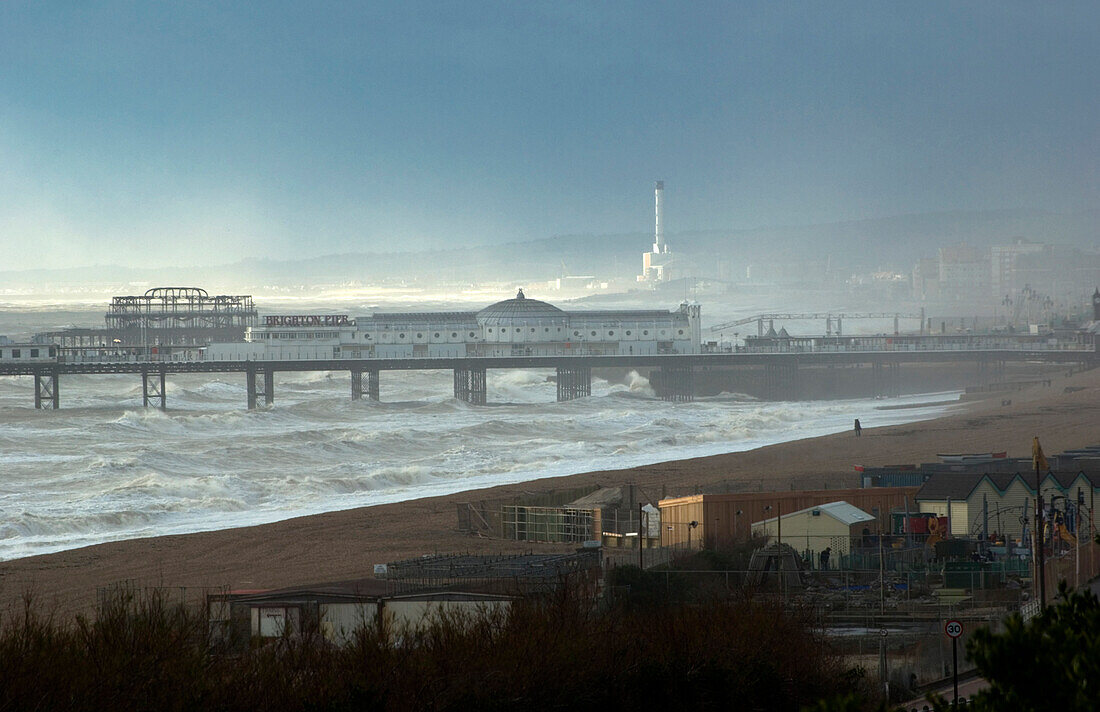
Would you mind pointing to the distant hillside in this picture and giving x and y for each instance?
(887, 243)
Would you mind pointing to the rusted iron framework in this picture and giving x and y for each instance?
(165, 318)
(181, 308)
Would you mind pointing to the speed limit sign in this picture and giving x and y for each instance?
(953, 629)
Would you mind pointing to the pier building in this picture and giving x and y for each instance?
(514, 327)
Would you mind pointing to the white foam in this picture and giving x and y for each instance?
(95, 471)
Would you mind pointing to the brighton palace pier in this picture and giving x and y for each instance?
(513, 327)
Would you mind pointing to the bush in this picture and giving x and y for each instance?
(141, 652)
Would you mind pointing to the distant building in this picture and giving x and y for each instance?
(964, 274)
(1003, 260)
(1067, 275)
(926, 279)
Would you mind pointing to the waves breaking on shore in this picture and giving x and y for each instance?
(103, 468)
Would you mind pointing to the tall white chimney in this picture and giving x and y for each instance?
(659, 232)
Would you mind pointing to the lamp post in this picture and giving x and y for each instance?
(691, 525)
(736, 518)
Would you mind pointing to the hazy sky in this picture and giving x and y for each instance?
(194, 132)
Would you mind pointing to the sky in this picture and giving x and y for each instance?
(192, 133)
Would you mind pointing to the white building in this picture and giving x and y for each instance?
(513, 327)
(814, 529)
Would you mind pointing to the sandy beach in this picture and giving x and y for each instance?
(346, 544)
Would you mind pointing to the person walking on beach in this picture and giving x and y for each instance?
(859, 428)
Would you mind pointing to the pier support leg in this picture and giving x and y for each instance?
(256, 388)
(152, 388)
(250, 387)
(574, 383)
(781, 380)
(675, 383)
(470, 385)
(47, 394)
(983, 372)
(356, 384)
(372, 384)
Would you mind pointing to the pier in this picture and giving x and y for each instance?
(671, 374)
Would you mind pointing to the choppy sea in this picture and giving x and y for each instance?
(103, 468)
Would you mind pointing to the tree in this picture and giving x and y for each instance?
(1051, 662)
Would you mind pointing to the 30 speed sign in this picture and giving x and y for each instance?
(953, 629)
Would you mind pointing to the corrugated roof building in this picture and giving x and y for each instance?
(812, 530)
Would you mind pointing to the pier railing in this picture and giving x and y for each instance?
(863, 346)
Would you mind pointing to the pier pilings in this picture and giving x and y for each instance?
(152, 388)
(470, 385)
(47, 391)
(257, 388)
(357, 383)
(574, 383)
(674, 383)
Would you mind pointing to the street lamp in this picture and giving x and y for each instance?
(691, 525)
(736, 515)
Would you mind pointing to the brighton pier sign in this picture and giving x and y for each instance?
(308, 320)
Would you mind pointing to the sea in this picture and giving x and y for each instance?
(103, 468)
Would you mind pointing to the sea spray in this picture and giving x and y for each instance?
(102, 468)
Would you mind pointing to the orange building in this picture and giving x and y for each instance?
(724, 518)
